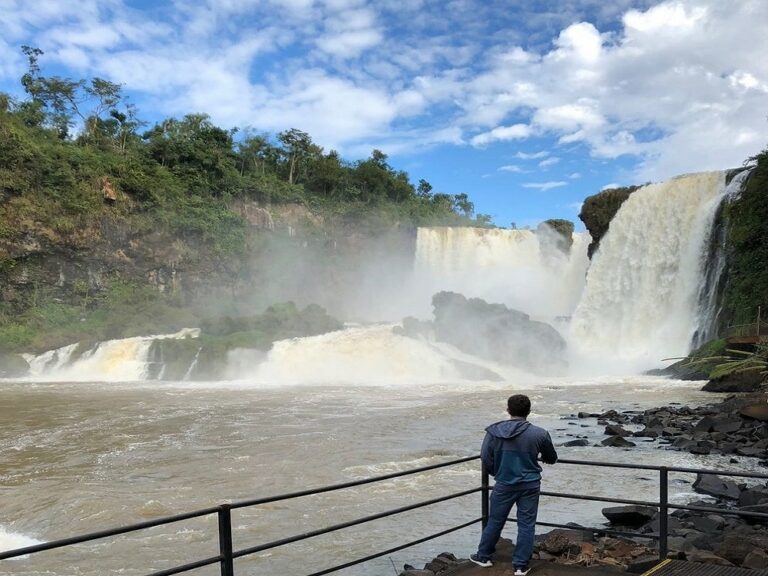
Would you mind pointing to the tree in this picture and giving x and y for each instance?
(424, 189)
(462, 204)
(298, 145)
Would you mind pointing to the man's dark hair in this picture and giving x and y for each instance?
(519, 405)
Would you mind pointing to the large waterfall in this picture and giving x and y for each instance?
(523, 269)
(641, 299)
(649, 292)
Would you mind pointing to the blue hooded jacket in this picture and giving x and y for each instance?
(511, 449)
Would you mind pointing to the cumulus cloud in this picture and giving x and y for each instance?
(502, 133)
(544, 186)
(678, 85)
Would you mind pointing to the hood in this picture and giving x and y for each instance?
(508, 428)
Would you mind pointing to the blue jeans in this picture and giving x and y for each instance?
(502, 500)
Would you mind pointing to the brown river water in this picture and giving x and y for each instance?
(80, 457)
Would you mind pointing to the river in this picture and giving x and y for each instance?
(79, 457)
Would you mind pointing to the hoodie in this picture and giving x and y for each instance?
(511, 449)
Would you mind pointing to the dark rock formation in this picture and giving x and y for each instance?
(598, 211)
(557, 230)
(737, 382)
(630, 516)
(497, 333)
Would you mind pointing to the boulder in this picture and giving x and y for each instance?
(756, 411)
(634, 516)
(598, 210)
(497, 333)
(579, 442)
(756, 560)
(616, 430)
(738, 382)
(737, 546)
(716, 486)
(617, 442)
(752, 496)
(758, 508)
(706, 557)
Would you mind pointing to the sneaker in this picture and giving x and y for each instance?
(519, 571)
(484, 563)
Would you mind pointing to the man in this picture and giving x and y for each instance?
(510, 454)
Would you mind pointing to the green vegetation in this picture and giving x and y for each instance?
(82, 176)
(598, 211)
(747, 221)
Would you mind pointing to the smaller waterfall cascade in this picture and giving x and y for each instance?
(711, 288)
(640, 304)
(123, 360)
(520, 268)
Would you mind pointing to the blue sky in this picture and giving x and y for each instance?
(526, 106)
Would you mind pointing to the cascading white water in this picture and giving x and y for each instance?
(519, 268)
(358, 356)
(122, 360)
(640, 301)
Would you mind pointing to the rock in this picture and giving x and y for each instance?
(706, 424)
(716, 486)
(756, 560)
(560, 542)
(727, 426)
(616, 430)
(414, 572)
(617, 442)
(598, 210)
(751, 452)
(707, 524)
(738, 382)
(580, 442)
(497, 333)
(706, 557)
(752, 496)
(760, 509)
(701, 450)
(756, 411)
(737, 546)
(634, 516)
(256, 216)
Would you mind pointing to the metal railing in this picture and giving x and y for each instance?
(227, 553)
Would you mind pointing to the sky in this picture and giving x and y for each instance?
(527, 106)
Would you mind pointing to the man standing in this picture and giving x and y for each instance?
(510, 454)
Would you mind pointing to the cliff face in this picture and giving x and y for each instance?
(598, 211)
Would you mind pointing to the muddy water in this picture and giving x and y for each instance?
(81, 457)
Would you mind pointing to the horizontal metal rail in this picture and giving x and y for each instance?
(188, 567)
(599, 499)
(107, 533)
(396, 548)
(227, 555)
(335, 527)
(333, 487)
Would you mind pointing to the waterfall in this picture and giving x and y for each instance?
(191, 370)
(126, 359)
(520, 268)
(713, 284)
(641, 300)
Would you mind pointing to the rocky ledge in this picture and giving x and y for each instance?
(737, 426)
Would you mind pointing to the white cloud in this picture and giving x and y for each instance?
(502, 133)
(511, 168)
(531, 155)
(611, 186)
(575, 175)
(549, 162)
(544, 186)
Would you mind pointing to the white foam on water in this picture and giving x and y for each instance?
(13, 540)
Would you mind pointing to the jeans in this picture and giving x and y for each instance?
(502, 500)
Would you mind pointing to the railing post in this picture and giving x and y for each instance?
(663, 511)
(225, 540)
(484, 493)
